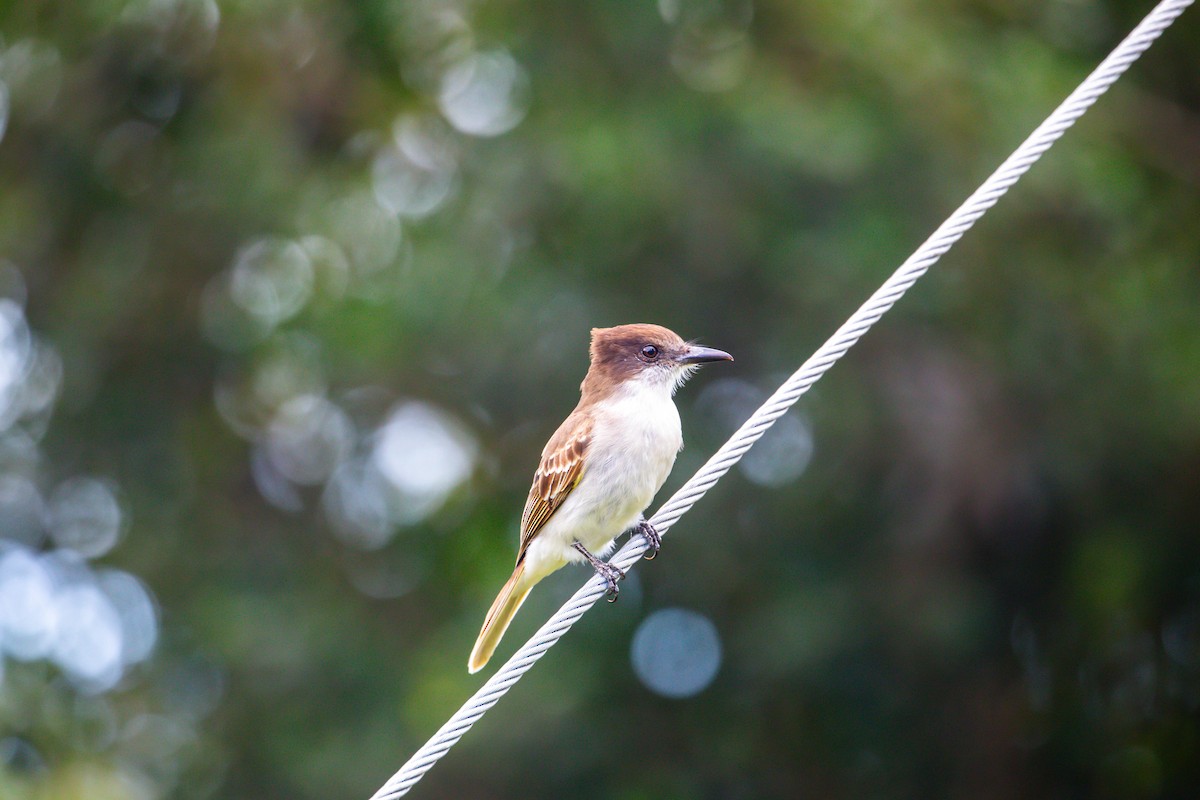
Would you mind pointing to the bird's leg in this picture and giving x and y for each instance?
(652, 537)
(610, 573)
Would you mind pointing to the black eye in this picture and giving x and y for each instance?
(649, 352)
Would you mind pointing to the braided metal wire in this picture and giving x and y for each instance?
(825, 357)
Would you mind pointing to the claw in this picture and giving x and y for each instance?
(653, 540)
(609, 572)
(611, 575)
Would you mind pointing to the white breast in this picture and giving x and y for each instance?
(634, 444)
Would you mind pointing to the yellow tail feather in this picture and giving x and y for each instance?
(506, 606)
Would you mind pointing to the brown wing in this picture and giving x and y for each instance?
(556, 476)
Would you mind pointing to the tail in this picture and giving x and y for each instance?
(507, 603)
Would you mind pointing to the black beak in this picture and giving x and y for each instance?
(694, 354)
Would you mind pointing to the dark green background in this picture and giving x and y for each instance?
(987, 582)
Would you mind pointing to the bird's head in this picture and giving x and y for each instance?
(648, 354)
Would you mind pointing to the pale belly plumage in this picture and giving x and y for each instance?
(632, 452)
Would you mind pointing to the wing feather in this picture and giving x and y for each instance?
(559, 472)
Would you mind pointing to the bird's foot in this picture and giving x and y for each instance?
(653, 539)
(611, 575)
(609, 572)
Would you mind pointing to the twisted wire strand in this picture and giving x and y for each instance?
(950, 231)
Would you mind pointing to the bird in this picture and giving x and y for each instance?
(602, 467)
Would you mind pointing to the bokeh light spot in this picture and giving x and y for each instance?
(20, 510)
(33, 73)
(28, 615)
(308, 437)
(485, 94)
(15, 346)
(272, 279)
(424, 454)
(676, 652)
(137, 611)
(43, 380)
(782, 455)
(89, 641)
(415, 175)
(84, 516)
(369, 234)
(331, 269)
(356, 503)
(272, 485)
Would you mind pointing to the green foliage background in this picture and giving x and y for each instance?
(987, 581)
